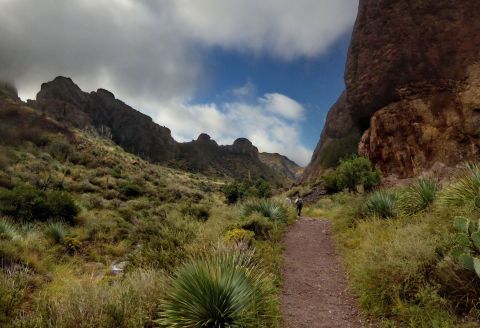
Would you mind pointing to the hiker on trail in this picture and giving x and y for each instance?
(299, 205)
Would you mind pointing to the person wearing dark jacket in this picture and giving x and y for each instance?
(299, 205)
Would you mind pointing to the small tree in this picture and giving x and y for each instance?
(263, 189)
(233, 192)
(352, 172)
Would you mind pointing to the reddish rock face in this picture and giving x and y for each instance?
(411, 81)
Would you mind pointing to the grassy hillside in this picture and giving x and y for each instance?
(92, 236)
(410, 251)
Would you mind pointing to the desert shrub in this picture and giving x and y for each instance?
(72, 245)
(351, 173)
(269, 208)
(129, 302)
(14, 287)
(390, 263)
(225, 290)
(56, 232)
(234, 192)
(61, 206)
(457, 284)
(262, 189)
(259, 225)
(163, 242)
(28, 204)
(130, 189)
(237, 236)
(11, 254)
(418, 196)
(382, 203)
(60, 149)
(6, 181)
(8, 230)
(198, 212)
(465, 190)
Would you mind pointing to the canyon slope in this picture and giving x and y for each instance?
(99, 111)
(412, 97)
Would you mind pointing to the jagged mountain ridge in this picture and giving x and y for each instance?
(137, 133)
(412, 88)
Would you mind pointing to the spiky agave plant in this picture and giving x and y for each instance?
(268, 208)
(217, 291)
(56, 231)
(8, 230)
(382, 203)
(418, 196)
(466, 188)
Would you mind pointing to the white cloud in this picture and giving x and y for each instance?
(279, 104)
(270, 131)
(147, 53)
(283, 28)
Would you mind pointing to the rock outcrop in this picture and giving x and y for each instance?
(63, 100)
(412, 95)
(282, 164)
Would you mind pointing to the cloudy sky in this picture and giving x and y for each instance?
(267, 70)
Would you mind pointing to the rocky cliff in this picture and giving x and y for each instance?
(412, 98)
(282, 164)
(63, 100)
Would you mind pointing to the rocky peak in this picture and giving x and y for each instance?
(411, 88)
(62, 89)
(203, 137)
(243, 145)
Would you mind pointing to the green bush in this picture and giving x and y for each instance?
(237, 236)
(259, 225)
(61, 206)
(130, 190)
(465, 190)
(234, 192)
(198, 212)
(351, 173)
(29, 204)
(72, 245)
(269, 208)
(418, 196)
(382, 203)
(225, 290)
(262, 189)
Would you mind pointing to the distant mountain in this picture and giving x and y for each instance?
(282, 164)
(63, 100)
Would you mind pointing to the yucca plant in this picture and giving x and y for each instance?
(56, 232)
(466, 189)
(418, 196)
(266, 207)
(382, 203)
(8, 230)
(217, 291)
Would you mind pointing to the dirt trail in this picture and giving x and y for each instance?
(315, 291)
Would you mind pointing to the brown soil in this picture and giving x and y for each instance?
(315, 290)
